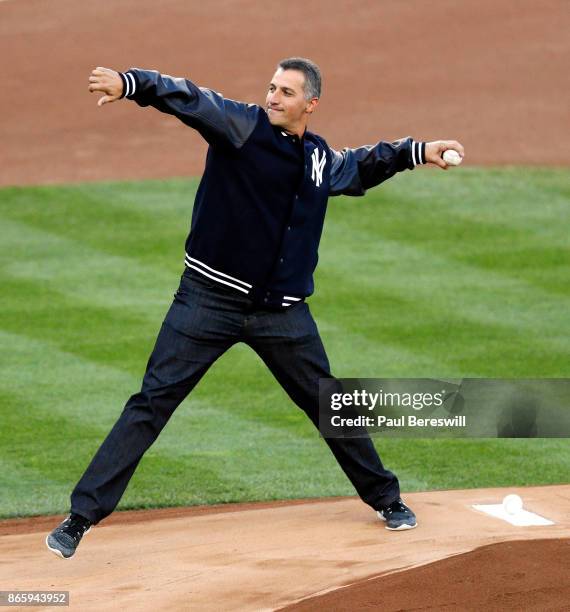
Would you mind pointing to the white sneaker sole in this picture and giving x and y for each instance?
(58, 552)
(55, 551)
(400, 528)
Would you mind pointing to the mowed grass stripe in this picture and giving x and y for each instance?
(503, 222)
(25, 492)
(523, 343)
(86, 274)
(88, 215)
(69, 318)
(430, 299)
(120, 339)
(92, 395)
(49, 475)
(528, 198)
(457, 464)
(416, 271)
(502, 230)
(212, 452)
(108, 336)
(62, 383)
(471, 203)
(366, 352)
(424, 273)
(459, 343)
(117, 338)
(404, 289)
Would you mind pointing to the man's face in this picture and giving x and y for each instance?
(285, 103)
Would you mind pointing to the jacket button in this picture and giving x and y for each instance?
(265, 300)
(288, 228)
(281, 260)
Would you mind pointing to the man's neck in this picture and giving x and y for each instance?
(299, 131)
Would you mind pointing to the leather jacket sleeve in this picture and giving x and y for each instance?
(218, 119)
(353, 171)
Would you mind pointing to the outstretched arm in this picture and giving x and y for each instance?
(354, 171)
(218, 119)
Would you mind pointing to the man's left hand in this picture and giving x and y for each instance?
(435, 150)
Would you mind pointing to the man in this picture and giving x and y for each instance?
(250, 256)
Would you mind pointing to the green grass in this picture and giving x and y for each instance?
(457, 274)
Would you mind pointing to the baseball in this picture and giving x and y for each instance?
(452, 157)
(512, 504)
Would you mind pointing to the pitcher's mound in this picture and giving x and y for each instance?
(266, 556)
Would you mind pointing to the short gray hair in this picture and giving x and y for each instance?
(311, 71)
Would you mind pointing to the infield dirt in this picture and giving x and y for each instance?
(266, 556)
(490, 74)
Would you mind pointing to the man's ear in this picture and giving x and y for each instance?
(311, 105)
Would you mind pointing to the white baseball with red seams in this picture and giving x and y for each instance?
(452, 158)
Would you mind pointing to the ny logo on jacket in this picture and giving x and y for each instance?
(318, 165)
(260, 207)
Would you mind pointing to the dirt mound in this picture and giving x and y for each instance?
(265, 556)
(524, 575)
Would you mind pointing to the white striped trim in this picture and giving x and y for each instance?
(127, 85)
(417, 157)
(286, 304)
(293, 299)
(133, 84)
(191, 262)
(201, 263)
(125, 82)
(219, 280)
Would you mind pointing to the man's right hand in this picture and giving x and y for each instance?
(436, 149)
(108, 82)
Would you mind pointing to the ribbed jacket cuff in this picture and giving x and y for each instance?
(418, 153)
(129, 84)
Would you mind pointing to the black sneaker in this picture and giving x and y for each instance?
(398, 516)
(65, 538)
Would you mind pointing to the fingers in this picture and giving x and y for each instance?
(106, 100)
(439, 162)
(453, 144)
(100, 82)
(101, 75)
(99, 72)
(97, 82)
(97, 87)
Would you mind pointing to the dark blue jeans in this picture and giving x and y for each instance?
(203, 322)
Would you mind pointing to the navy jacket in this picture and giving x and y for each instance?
(260, 206)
